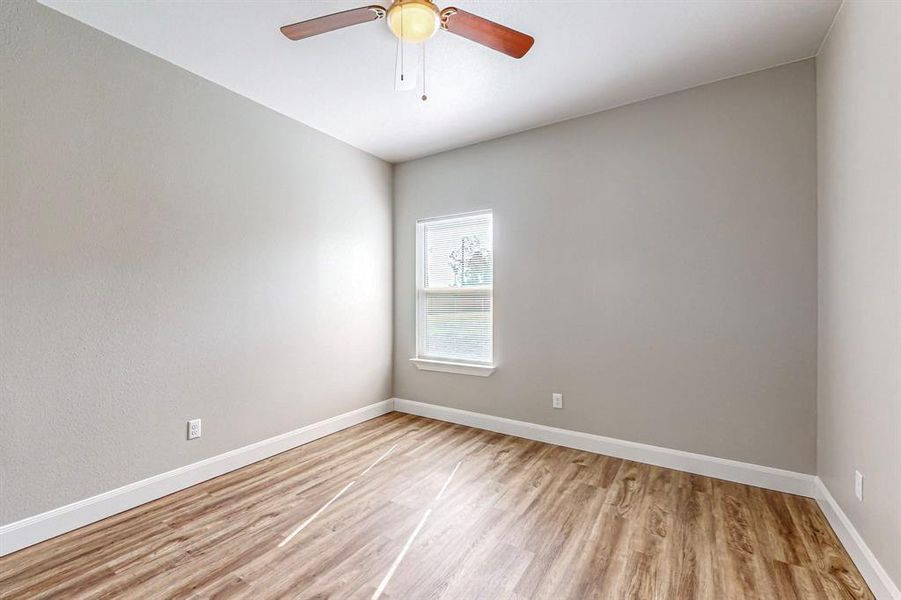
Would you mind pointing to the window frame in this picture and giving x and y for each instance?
(438, 363)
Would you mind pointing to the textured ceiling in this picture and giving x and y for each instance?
(588, 56)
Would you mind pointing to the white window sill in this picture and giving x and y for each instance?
(452, 367)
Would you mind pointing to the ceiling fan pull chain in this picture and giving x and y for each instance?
(424, 96)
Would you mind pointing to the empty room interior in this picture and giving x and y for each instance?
(457, 299)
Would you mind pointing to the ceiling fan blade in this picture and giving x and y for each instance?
(311, 27)
(488, 33)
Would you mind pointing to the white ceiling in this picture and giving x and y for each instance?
(588, 56)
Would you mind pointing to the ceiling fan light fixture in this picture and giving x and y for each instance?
(413, 21)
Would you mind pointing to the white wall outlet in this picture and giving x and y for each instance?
(557, 400)
(193, 429)
(858, 485)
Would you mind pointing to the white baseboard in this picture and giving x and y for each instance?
(31, 530)
(720, 468)
(875, 575)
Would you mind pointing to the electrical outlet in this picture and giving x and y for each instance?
(193, 429)
(858, 485)
(557, 400)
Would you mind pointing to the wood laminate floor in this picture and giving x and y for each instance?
(411, 508)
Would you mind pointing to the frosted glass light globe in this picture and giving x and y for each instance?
(413, 20)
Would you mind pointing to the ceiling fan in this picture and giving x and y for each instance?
(418, 20)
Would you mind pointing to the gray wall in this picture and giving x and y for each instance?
(169, 250)
(859, 128)
(656, 263)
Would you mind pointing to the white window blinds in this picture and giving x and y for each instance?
(454, 288)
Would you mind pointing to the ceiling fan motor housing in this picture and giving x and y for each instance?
(413, 21)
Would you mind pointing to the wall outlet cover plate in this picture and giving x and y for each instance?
(193, 429)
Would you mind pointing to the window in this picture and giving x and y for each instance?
(454, 272)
